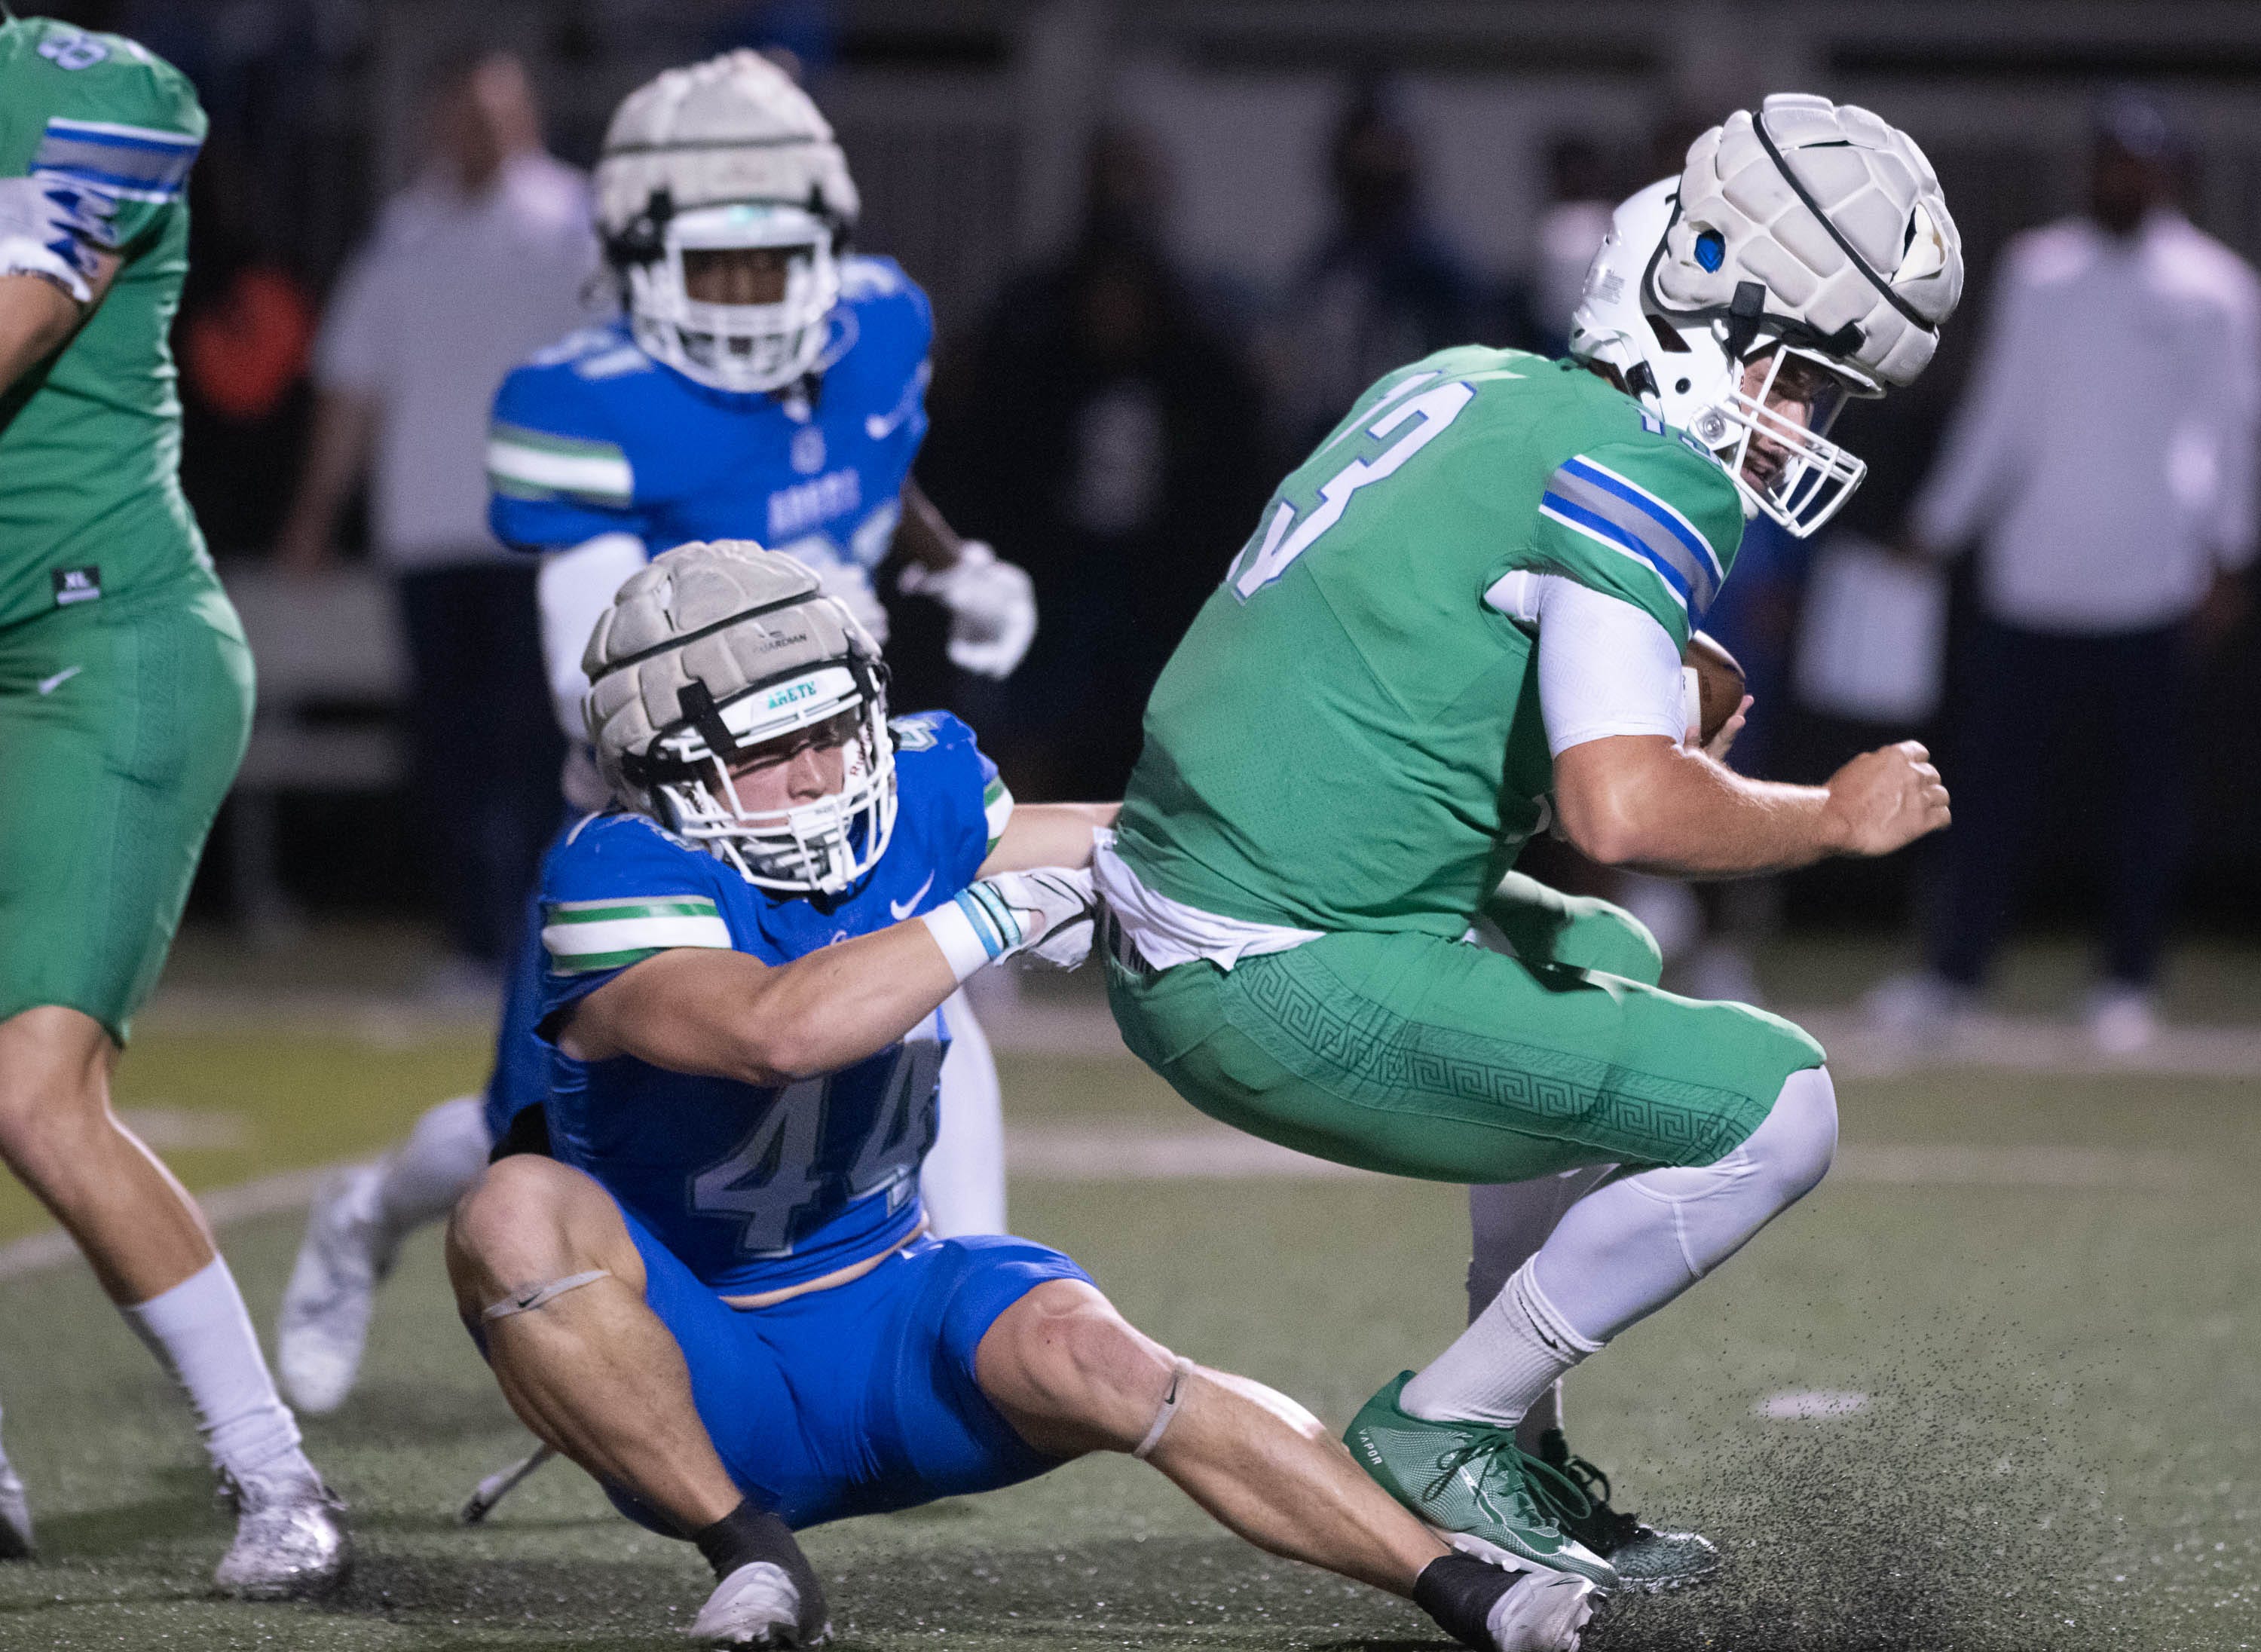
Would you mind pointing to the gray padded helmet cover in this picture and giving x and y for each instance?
(1877, 192)
(728, 613)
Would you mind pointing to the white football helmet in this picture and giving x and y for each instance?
(724, 156)
(712, 650)
(1812, 234)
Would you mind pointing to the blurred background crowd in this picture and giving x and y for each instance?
(1167, 244)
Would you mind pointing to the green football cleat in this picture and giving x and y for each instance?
(1468, 1482)
(1647, 1560)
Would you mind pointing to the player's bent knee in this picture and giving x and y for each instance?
(1070, 1373)
(530, 1221)
(1797, 1140)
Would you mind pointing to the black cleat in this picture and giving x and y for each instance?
(1649, 1561)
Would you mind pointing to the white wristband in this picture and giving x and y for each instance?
(974, 930)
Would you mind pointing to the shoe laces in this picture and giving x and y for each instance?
(1497, 1460)
(1594, 1487)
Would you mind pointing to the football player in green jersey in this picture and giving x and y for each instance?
(1461, 623)
(125, 700)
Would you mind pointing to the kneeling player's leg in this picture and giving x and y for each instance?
(1622, 1252)
(546, 1274)
(1072, 1375)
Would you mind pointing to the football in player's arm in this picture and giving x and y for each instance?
(714, 1289)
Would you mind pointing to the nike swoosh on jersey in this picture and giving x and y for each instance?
(904, 908)
(48, 685)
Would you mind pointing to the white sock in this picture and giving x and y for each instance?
(200, 1333)
(1496, 1369)
(442, 1158)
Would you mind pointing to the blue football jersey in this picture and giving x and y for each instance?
(592, 436)
(755, 1188)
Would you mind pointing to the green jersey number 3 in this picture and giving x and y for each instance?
(1415, 420)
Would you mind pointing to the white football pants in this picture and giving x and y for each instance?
(963, 1181)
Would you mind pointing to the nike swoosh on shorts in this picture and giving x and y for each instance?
(48, 685)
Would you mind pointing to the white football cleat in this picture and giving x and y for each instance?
(757, 1604)
(290, 1538)
(323, 1323)
(15, 1516)
(1546, 1611)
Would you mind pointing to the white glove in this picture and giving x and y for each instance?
(993, 608)
(1047, 914)
(50, 226)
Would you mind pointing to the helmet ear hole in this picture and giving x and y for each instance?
(1667, 337)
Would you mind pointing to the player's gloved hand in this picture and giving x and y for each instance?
(993, 608)
(1047, 914)
(51, 227)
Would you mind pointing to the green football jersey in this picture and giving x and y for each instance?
(1348, 737)
(90, 501)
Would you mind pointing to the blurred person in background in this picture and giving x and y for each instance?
(485, 257)
(2103, 458)
(1383, 288)
(1112, 433)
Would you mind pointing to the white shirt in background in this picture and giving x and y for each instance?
(450, 293)
(2105, 451)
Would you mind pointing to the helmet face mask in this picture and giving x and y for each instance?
(740, 348)
(1786, 468)
(817, 846)
(726, 155)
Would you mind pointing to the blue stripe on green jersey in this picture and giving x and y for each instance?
(140, 163)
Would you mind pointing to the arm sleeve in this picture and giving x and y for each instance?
(1606, 667)
(574, 588)
(612, 895)
(1654, 522)
(556, 473)
(1982, 453)
(2240, 446)
(125, 128)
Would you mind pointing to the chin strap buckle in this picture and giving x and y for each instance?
(1744, 312)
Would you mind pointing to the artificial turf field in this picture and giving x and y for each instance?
(2045, 1288)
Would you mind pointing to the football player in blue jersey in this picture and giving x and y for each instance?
(703, 1270)
(761, 383)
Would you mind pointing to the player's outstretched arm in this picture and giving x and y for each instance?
(725, 1015)
(1653, 805)
(1048, 834)
(728, 1016)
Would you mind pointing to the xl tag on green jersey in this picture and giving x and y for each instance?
(76, 584)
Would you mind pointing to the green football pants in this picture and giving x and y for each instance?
(1417, 1056)
(121, 723)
